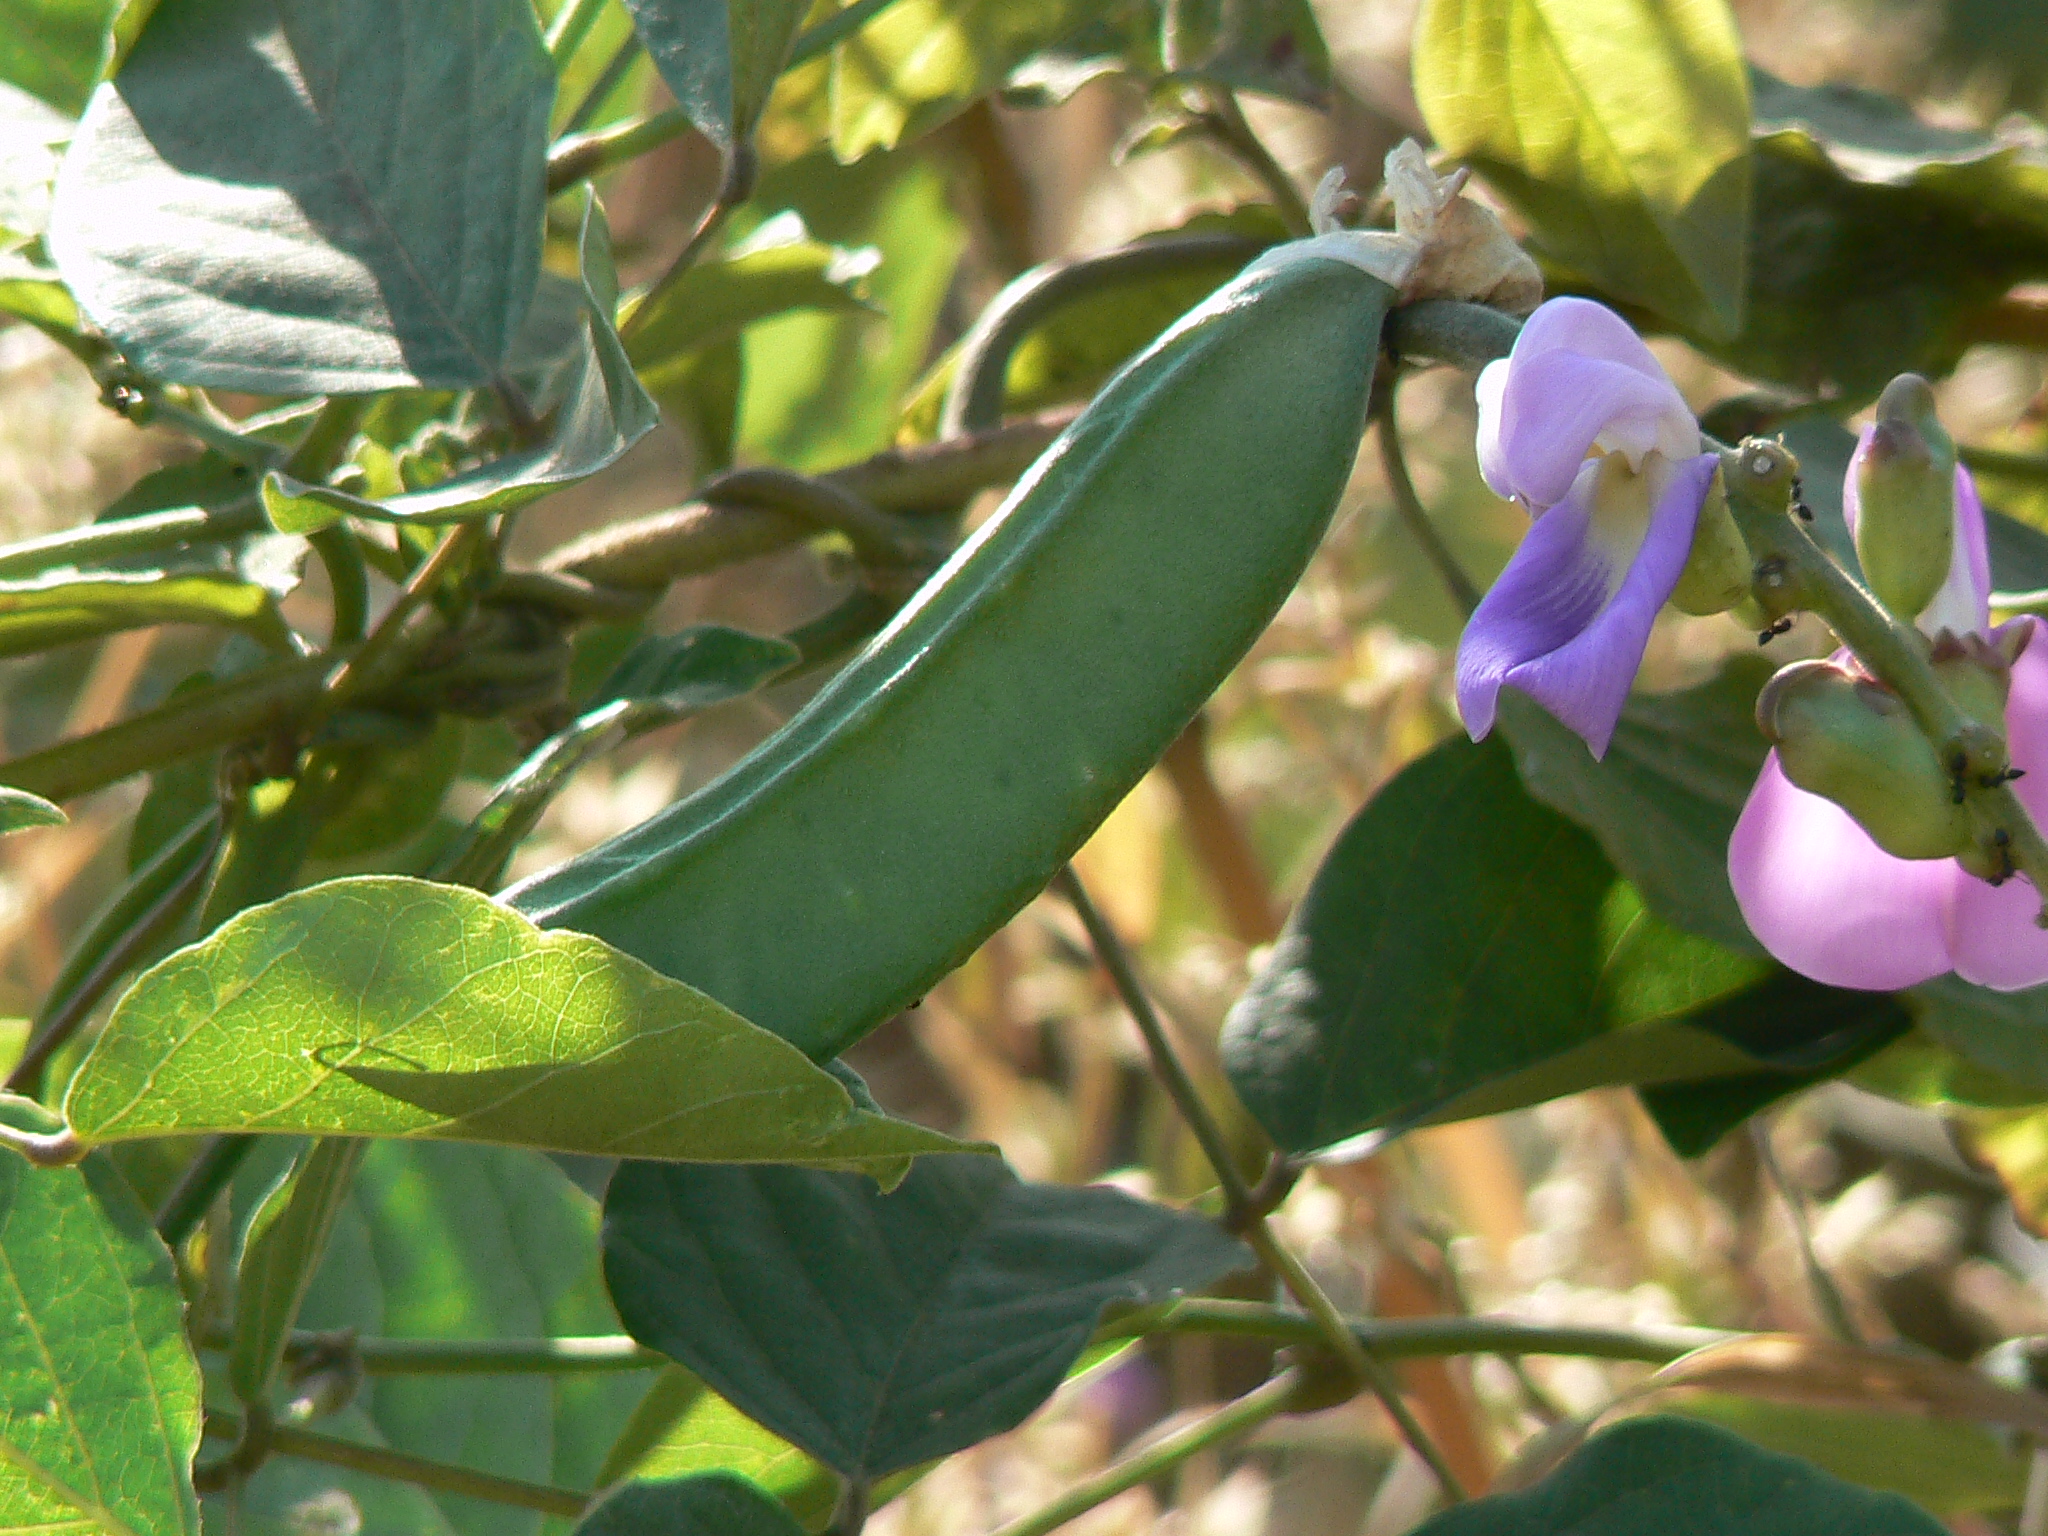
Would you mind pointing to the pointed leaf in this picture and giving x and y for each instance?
(289, 197)
(880, 1331)
(99, 1395)
(285, 1245)
(603, 413)
(1683, 1479)
(1620, 128)
(716, 1504)
(20, 810)
(36, 615)
(696, 667)
(384, 1006)
(719, 57)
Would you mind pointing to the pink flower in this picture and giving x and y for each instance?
(1583, 427)
(1828, 902)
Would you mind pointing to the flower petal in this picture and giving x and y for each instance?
(1827, 901)
(1563, 625)
(1578, 376)
(1991, 930)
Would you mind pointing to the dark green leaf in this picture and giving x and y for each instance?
(1273, 46)
(921, 61)
(879, 1331)
(452, 1242)
(99, 1395)
(394, 1007)
(1383, 1003)
(2001, 1032)
(20, 810)
(1679, 1478)
(1620, 128)
(286, 1241)
(603, 413)
(55, 49)
(715, 1504)
(395, 793)
(295, 198)
(1664, 800)
(719, 57)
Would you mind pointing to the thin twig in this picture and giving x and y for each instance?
(607, 81)
(1226, 122)
(834, 30)
(1413, 514)
(1827, 1296)
(1241, 1417)
(285, 1440)
(737, 187)
(359, 670)
(202, 1179)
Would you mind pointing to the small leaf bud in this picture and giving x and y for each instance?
(1843, 736)
(1905, 483)
(1717, 571)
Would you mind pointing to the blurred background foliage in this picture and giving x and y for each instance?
(1575, 1211)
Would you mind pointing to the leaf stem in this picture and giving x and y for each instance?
(581, 156)
(203, 1178)
(607, 81)
(570, 27)
(1238, 1418)
(1413, 514)
(1241, 1213)
(1827, 1296)
(98, 542)
(737, 187)
(487, 1357)
(1999, 461)
(361, 669)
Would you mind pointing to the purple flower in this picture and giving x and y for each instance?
(1831, 904)
(1581, 426)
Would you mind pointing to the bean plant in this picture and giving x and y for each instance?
(350, 264)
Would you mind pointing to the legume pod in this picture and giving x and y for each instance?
(941, 779)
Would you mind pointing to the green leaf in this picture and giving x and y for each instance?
(1383, 1001)
(450, 1242)
(603, 413)
(697, 667)
(682, 1428)
(2002, 1032)
(384, 1006)
(1664, 800)
(715, 1504)
(779, 268)
(1683, 1479)
(394, 794)
(36, 615)
(921, 61)
(295, 198)
(285, 1244)
(1272, 46)
(1619, 128)
(20, 810)
(876, 1331)
(1945, 1466)
(99, 1395)
(55, 49)
(720, 58)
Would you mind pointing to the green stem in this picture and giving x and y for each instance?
(607, 81)
(1827, 1296)
(201, 1181)
(1226, 121)
(877, 536)
(582, 156)
(286, 1440)
(492, 1357)
(348, 580)
(1164, 1454)
(377, 655)
(1241, 1212)
(2013, 466)
(570, 27)
(737, 187)
(1467, 336)
(974, 400)
(833, 30)
(1413, 514)
(96, 543)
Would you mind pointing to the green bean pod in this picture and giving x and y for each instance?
(942, 778)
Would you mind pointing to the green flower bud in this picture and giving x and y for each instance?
(1717, 571)
(1841, 735)
(1905, 476)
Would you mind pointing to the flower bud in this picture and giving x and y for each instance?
(1905, 473)
(1717, 570)
(1845, 737)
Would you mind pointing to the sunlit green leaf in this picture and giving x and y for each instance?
(20, 810)
(878, 1331)
(1620, 128)
(921, 61)
(285, 1244)
(99, 1395)
(55, 49)
(36, 615)
(1671, 1475)
(392, 1007)
(291, 198)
